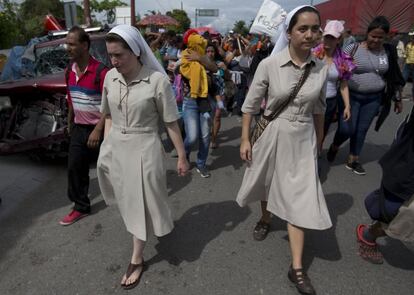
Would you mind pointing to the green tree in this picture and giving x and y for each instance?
(9, 24)
(240, 28)
(182, 17)
(105, 5)
(33, 12)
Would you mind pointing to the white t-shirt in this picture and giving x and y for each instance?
(332, 84)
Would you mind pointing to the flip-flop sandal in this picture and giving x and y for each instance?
(131, 269)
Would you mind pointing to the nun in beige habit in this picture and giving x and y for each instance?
(137, 95)
(282, 167)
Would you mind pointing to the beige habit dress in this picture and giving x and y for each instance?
(284, 168)
(131, 164)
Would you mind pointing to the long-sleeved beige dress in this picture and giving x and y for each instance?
(131, 164)
(284, 168)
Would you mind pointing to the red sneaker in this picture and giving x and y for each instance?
(368, 250)
(72, 217)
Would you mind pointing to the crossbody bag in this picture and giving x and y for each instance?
(265, 120)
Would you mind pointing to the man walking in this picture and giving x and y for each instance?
(84, 79)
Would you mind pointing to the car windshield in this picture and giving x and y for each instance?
(51, 59)
(54, 58)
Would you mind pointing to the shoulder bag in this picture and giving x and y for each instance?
(265, 120)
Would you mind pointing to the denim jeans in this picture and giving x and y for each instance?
(364, 108)
(197, 127)
(331, 106)
(408, 71)
(241, 92)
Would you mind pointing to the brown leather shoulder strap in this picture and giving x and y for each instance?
(292, 95)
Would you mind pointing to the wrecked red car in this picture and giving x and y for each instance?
(33, 110)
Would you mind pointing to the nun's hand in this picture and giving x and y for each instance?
(246, 150)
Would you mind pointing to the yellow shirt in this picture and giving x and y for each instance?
(409, 52)
(193, 70)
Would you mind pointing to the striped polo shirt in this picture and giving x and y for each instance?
(84, 95)
(368, 76)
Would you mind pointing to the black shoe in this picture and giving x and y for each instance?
(261, 230)
(356, 167)
(301, 281)
(331, 155)
(203, 172)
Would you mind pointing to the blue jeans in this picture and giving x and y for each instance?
(241, 92)
(408, 71)
(197, 127)
(364, 108)
(331, 106)
(392, 204)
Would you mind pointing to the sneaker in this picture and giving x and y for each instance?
(203, 172)
(356, 167)
(368, 250)
(72, 217)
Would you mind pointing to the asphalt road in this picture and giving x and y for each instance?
(211, 250)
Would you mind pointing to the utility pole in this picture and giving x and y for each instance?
(133, 20)
(87, 13)
(182, 5)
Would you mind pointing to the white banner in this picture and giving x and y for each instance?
(268, 19)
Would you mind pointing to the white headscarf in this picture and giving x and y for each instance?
(283, 40)
(139, 46)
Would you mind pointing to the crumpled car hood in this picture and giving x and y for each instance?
(54, 83)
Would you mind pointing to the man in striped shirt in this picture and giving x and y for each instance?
(84, 78)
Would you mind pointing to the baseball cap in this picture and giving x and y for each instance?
(411, 33)
(334, 28)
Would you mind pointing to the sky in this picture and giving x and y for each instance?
(230, 11)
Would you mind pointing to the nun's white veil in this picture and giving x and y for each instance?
(139, 46)
(283, 40)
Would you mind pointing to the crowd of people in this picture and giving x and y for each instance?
(293, 90)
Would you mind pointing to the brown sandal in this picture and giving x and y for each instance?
(301, 281)
(130, 270)
(261, 230)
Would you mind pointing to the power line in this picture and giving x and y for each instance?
(162, 7)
